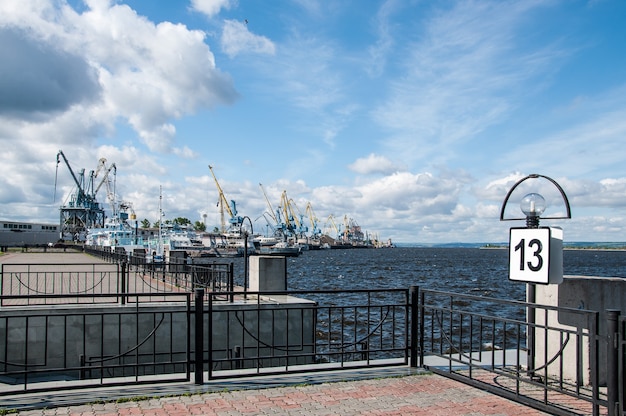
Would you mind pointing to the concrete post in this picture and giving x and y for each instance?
(268, 273)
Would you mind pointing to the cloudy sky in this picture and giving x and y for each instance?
(413, 118)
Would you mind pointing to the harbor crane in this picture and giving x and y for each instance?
(330, 222)
(234, 220)
(313, 220)
(83, 210)
(278, 226)
(296, 216)
(102, 166)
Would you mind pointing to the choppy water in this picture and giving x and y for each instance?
(461, 270)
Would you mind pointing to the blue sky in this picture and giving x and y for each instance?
(413, 118)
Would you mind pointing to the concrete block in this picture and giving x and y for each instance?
(268, 273)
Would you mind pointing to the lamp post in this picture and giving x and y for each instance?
(245, 252)
(535, 253)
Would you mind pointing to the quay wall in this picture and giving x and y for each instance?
(156, 337)
(583, 293)
(76, 342)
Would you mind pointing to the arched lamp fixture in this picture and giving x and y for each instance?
(533, 205)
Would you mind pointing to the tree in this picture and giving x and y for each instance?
(182, 221)
(200, 226)
(145, 223)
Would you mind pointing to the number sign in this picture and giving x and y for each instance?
(529, 254)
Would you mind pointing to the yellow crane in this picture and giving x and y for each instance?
(331, 220)
(269, 204)
(312, 219)
(224, 205)
(287, 212)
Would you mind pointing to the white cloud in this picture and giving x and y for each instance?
(373, 164)
(237, 39)
(148, 74)
(79, 75)
(210, 7)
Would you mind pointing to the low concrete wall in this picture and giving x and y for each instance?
(584, 293)
(56, 341)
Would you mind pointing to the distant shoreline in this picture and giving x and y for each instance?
(503, 247)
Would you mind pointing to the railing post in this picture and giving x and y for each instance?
(612, 360)
(199, 336)
(123, 281)
(231, 282)
(414, 297)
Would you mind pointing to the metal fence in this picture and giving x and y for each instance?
(310, 331)
(561, 360)
(67, 347)
(550, 362)
(47, 283)
(239, 334)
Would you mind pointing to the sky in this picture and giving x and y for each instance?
(412, 118)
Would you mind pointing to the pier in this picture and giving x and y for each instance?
(142, 344)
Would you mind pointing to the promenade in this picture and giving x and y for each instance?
(368, 392)
(374, 391)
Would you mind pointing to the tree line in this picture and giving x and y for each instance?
(180, 221)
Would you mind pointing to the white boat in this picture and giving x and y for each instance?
(282, 248)
(116, 233)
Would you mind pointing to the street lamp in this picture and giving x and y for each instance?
(535, 253)
(533, 205)
(245, 251)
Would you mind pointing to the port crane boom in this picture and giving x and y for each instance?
(234, 220)
(107, 180)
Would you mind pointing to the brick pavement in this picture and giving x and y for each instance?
(427, 394)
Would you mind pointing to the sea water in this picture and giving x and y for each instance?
(461, 270)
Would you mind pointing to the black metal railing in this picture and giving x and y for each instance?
(148, 341)
(27, 284)
(90, 347)
(557, 361)
(489, 343)
(309, 331)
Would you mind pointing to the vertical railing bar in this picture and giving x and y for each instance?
(545, 355)
(199, 335)
(137, 357)
(450, 331)
(493, 344)
(612, 353)
(561, 346)
(26, 343)
(287, 340)
(368, 325)
(518, 366)
(620, 360)
(102, 348)
(579, 358)
(505, 341)
(258, 333)
(480, 338)
(188, 343)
